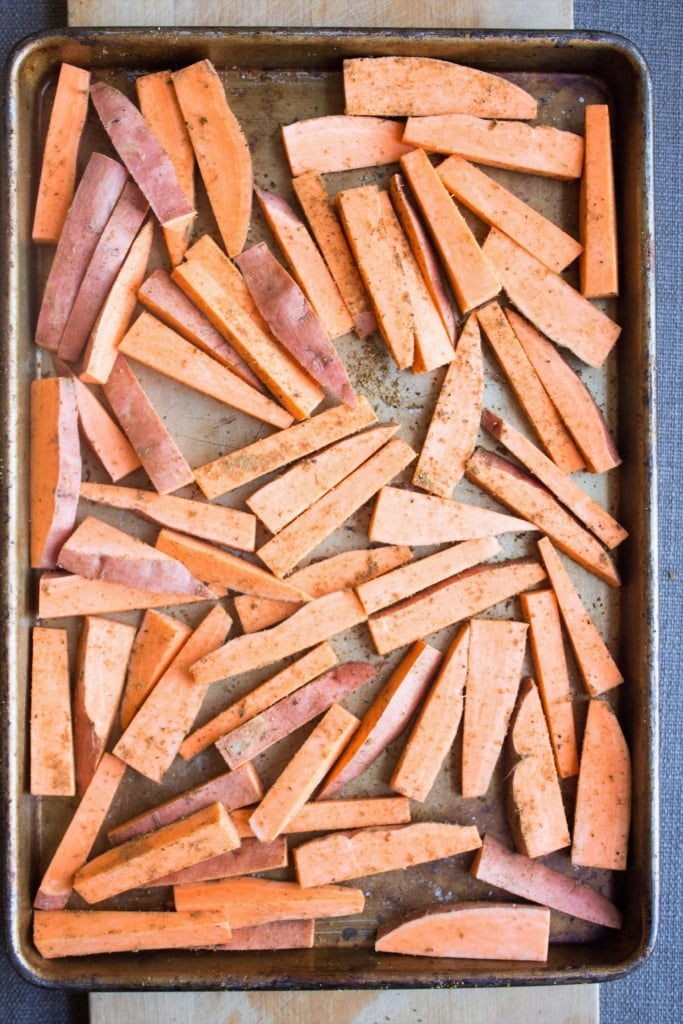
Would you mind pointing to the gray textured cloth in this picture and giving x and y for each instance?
(654, 993)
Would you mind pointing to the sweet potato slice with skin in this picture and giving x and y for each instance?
(303, 773)
(253, 737)
(216, 523)
(545, 298)
(497, 865)
(251, 901)
(153, 738)
(60, 154)
(320, 519)
(231, 789)
(541, 612)
(444, 453)
(59, 933)
(51, 771)
(386, 718)
(104, 648)
(306, 263)
(341, 142)
(494, 672)
(274, 935)
(75, 845)
(160, 108)
(342, 571)
(518, 490)
(221, 149)
(591, 514)
(100, 551)
(163, 461)
(324, 224)
(153, 344)
(406, 517)
(540, 412)
(339, 814)
(418, 86)
(471, 276)
(598, 669)
(574, 402)
(458, 598)
(538, 149)
(501, 208)
(602, 818)
(535, 805)
(476, 931)
(369, 851)
(203, 834)
(293, 320)
(156, 644)
(279, 686)
(55, 468)
(65, 594)
(251, 856)
(278, 450)
(98, 190)
(436, 726)
(112, 323)
(599, 264)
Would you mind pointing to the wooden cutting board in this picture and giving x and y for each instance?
(570, 1004)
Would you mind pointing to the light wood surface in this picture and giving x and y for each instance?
(567, 1004)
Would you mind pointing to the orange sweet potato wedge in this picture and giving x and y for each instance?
(55, 468)
(599, 265)
(386, 718)
(497, 865)
(160, 109)
(335, 815)
(369, 851)
(518, 490)
(60, 154)
(602, 818)
(251, 856)
(477, 931)
(341, 142)
(52, 771)
(156, 644)
(76, 843)
(221, 149)
(64, 594)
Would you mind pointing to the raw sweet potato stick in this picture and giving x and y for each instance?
(65, 594)
(599, 265)
(51, 730)
(160, 109)
(55, 468)
(341, 142)
(250, 856)
(156, 644)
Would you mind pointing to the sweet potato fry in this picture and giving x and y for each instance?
(52, 770)
(444, 453)
(550, 302)
(499, 207)
(104, 648)
(306, 264)
(328, 233)
(458, 598)
(528, 389)
(540, 149)
(599, 264)
(496, 865)
(274, 935)
(60, 154)
(476, 930)
(598, 669)
(64, 594)
(156, 644)
(163, 461)
(160, 108)
(370, 851)
(279, 686)
(221, 149)
(341, 142)
(303, 705)
(153, 737)
(386, 718)
(331, 815)
(418, 86)
(602, 818)
(518, 490)
(494, 672)
(75, 845)
(436, 725)
(405, 517)
(55, 468)
(535, 806)
(300, 537)
(251, 856)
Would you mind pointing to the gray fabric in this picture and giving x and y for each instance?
(653, 994)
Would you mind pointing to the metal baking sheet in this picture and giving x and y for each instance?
(274, 77)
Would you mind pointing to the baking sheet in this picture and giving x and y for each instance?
(273, 78)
